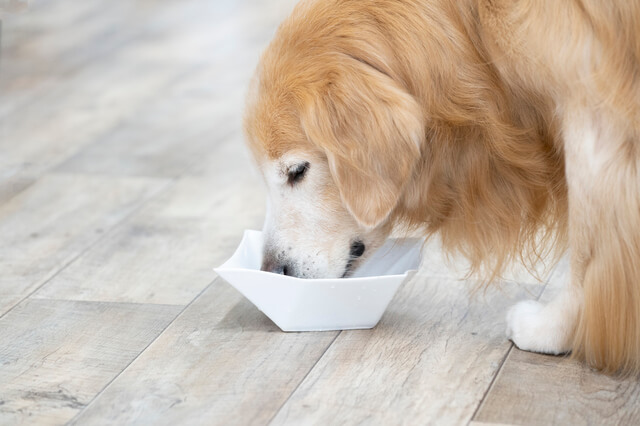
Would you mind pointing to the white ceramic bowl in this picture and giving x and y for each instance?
(297, 304)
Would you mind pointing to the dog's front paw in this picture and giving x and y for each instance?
(533, 328)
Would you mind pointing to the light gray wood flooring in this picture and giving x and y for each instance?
(124, 180)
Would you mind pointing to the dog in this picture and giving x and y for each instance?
(510, 129)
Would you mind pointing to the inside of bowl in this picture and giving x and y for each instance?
(248, 255)
(395, 257)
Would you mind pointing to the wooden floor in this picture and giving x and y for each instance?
(124, 181)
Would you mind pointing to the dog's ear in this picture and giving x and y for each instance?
(371, 131)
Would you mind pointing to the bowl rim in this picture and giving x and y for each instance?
(298, 280)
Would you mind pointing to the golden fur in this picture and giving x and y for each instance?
(456, 117)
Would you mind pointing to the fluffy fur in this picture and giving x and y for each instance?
(512, 129)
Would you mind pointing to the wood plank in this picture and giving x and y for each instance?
(40, 50)
(164, 140)
(144, 94)
(77, 113)
(56, 356)
(41, 54)
(144, 68)
(166, 251)
(540, 389)
(186, 120)
(55, 220)
(159, 258)
(430, 360)
(220, 362)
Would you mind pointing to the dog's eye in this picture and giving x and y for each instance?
(296, 173)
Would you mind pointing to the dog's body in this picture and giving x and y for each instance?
(505, 126)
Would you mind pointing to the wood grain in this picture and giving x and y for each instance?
(56, 356)
(220, 362)
(158, 260)
(166, 252)
(430, 360)
(541, 389)
(54, 42)
(143, 99)
(73, 113)
(35, 142)
(534, 389)
(54, 221)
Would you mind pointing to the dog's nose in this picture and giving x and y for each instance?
(357, 249)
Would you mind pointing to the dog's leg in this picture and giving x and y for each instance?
(598, 314)
(550, 328)
(604, 188)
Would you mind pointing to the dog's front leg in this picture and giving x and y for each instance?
(598, 314)
(550, 328)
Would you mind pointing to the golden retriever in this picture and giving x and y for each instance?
(507, 127)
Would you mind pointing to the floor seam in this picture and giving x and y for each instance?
(114, 302)
(493, 380)
(90, 245)
(168, 183)
(304, 378)
(506, 356)
(178, 315)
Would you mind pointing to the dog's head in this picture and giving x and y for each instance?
(336, 141)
